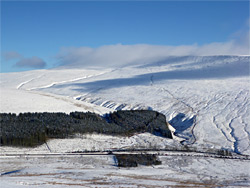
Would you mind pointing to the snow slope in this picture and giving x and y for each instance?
(14, 98)
(205, 99)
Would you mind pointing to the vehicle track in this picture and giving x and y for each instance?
(103, 153)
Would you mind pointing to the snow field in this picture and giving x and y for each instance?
(205, 99)
(101, 171)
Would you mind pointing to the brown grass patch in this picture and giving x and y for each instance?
(188, 183)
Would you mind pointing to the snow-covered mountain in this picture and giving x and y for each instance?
(205, 98)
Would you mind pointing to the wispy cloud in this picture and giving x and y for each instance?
(11, 55)
(118, 55)
(23, 62)
(242, 36)
(33, 62)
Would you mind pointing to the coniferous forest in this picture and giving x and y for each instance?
(33, 129)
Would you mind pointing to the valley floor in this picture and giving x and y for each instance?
(54, 165)
(102, 171)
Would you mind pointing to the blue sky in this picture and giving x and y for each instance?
(48, 33)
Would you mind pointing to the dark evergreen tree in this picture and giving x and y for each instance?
(32, 129)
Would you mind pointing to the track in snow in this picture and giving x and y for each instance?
(103, 153)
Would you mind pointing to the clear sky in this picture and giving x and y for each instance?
(36, 34)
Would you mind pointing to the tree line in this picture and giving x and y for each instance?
(33, 129)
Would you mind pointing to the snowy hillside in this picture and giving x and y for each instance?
(205, 99)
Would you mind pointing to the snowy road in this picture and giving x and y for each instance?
(105, 153)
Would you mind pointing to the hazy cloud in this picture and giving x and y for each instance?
(33, 62)
(118, 55)
(11, 55)
(22, 62)
(242, 36)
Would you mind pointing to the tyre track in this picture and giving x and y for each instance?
(113, 152)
